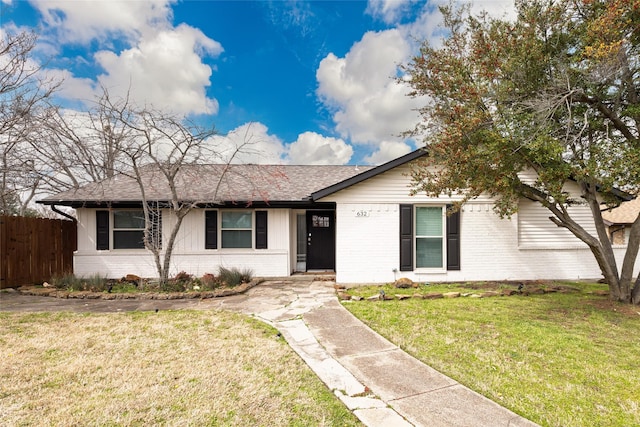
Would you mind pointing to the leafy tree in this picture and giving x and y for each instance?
(555, 92)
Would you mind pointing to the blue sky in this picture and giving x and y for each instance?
(308, 82)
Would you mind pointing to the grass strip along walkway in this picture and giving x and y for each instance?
(558, 359)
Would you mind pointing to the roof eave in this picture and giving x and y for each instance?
(229, 204)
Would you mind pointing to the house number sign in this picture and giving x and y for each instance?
(362, 213)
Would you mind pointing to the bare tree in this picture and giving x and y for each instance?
(23, 92)
(73, 148)
(160, 152)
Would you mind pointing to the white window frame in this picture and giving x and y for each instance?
(442, 236)
(115, 230)
(222, 230)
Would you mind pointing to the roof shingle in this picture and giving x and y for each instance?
(214, 184)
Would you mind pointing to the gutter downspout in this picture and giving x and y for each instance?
(64, 214)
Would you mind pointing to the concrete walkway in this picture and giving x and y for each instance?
(375, 379)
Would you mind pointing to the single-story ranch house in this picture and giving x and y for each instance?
(360, 222)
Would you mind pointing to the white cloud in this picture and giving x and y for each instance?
(314, 149)
(249, 143)
(164, 70)
(388, 150)
(389, 11)
(252, 143)
(495, 8)
(74, 87)
(369, 105)
(82, 21)
(142, 55)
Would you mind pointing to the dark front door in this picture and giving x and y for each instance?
(321, 240)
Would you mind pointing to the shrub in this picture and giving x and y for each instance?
(67, 282)
(178, 283)
(72, 283)
(123, 287)
(209, 282)
(234, 277)
(183, 277)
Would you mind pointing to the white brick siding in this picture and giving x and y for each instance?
(189, 254)
(526, 247)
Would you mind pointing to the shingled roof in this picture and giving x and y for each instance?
(213, 184)
(626, 213)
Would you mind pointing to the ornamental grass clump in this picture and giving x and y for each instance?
(233, 276)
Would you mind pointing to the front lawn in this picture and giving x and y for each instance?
(178, 368)
(558, 359)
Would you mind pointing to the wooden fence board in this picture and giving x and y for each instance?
(33, 250)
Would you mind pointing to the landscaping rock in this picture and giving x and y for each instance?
(402, 297)
(451, 294)
(343, 296)
(373, 298)
(338, 287)
(356, 298)
(420, 296)
(509, 292)
(475, 296)
(601, 293)
(490, 294)
(404, 283)
(433, 295)
(132, 278)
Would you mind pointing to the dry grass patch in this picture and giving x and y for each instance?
(166, 368)
(557, 359)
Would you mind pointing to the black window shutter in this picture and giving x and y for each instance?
(211, 229)
(453, 239)
(406, 237)
(261, 229)
(102, 230)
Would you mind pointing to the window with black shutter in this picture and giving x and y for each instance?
(211, 229)
(406, 237)
(261, 229)
(453, 239)
(423, 240)
(102, 230)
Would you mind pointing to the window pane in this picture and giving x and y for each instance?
(429, 221)
(429, 252)
(236, 238)
(128, 239)
(236, 220)
(128, 219)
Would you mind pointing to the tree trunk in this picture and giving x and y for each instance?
(635, 294)
(170, 244)
(628, 265)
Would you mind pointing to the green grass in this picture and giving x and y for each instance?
(192, 368)
(560, 359)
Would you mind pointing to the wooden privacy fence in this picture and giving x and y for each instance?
(32, 250)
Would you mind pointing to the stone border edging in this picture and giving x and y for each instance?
(344, 296)
(57, 293)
